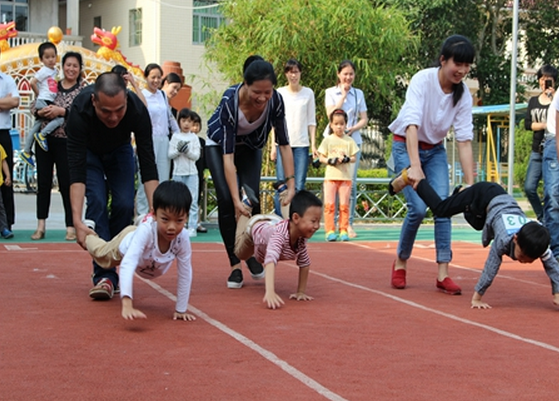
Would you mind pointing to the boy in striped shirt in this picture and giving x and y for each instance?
(271, 239)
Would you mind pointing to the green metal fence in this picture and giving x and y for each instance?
(373, 201)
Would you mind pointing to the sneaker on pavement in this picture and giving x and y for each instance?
(41, 141)
(201, 229)
(344, 236)
(103, 290)
(7, 234)
(331, 236)
(256, 268)
(191, 232)
(235, 279)
(27, 158)
(449, 286)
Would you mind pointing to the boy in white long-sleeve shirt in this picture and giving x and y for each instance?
(150, 248)
(184, 150)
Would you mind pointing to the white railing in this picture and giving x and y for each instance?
(23, 38)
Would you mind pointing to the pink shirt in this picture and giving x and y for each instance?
(271, 244)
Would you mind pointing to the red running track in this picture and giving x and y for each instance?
(358, 340)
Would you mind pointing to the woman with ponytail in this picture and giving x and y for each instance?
(436, 100)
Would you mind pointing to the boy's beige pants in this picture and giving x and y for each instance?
(105, 253)
(244, 246)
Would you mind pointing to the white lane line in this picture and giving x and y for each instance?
(440, 313)
(270, 356)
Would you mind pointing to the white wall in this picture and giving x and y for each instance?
(42, 15)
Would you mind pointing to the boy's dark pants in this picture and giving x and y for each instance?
(472, 201)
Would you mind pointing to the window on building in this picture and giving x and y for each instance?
(204, 19)
(97, 22)
(17, 11)
(135, 27)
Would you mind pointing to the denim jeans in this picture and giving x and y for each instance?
(435, 167)
(110, 173)
(550, 170)
(301, 162)
(533, 177)
(191, 181)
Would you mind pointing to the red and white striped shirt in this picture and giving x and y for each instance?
(272, 244)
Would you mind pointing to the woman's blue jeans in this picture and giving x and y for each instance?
(111, 173)
(533, 178)
(435, 167)
(301, 162)
(550, 170)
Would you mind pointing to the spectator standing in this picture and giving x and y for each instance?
(9, 99)
(68, 88)
(163, 124)
(184, 150)
(300, 114)
(344, 96)
(536, 121)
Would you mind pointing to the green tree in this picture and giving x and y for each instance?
(487, 23)
(540, 20)
(320, 34)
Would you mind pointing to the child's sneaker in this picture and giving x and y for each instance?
(344, 236)
(331, 236)
(235, 279)
(89, 224)
(41, 141)
(7, 234)
(27, 158)
(399, 182)
(103, 290)
(191, 232)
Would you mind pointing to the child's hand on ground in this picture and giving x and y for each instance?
(479, 304)
(301, 296)
(273, 300)
(129, 313)
(183, 316)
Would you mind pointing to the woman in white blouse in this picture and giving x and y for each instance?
(436, 99)
(163, 124)
(351, 100)
(300, 114)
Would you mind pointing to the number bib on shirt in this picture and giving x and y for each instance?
(513, 222)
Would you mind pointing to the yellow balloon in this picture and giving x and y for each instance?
(55, 35)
